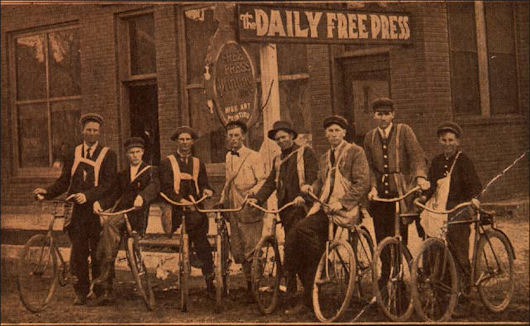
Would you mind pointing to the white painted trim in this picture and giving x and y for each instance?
(482, 59)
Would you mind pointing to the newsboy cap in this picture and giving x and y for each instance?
(335, 119)
(383, 104)
(91, 117)
(281, 125)
(237, 123)
(134, 142)
(450, 126)
(184, 129)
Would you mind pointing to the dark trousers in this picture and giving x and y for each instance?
(289, 218)
(304, 245)
(458, 239)
(84, 235)
(383, 218)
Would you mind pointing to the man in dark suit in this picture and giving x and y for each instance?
(137, 186)
(87, 176)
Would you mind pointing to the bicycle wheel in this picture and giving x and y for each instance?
(363, 249)
(392, 287)
(184, 271)
(434, 281)
(37, 273)
(334, 282)
(140, 274)
(266, 274)
(494, 275)
(220, 277)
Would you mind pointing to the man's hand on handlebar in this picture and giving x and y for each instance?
(138, 202)
(299, 201)
(207, 193)
(333, 207)
(423, 183)
(372, 194)
(475, 203)
(39, 193)
(252, 200)
(306, 189)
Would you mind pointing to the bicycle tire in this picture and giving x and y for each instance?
(37, 273)
(330, 302)
(434, 295)
(218, 274)
(225, 258)
(266, 288)
(399, 285)
(364, 252)
(184, 271)
(140, 275)
(484, 258)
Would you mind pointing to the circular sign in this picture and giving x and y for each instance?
(234, 85)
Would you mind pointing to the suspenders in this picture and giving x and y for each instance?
(177, 175)
(299, 165)
(78, 158)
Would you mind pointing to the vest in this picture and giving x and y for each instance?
(386, 165)
(178, 176)
(78, 158)
(299, 166)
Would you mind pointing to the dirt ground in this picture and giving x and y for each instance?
(129, 307)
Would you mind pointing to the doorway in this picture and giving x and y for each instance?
(143, 108)
(365, 78)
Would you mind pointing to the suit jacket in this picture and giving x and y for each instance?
(412, 161)
(353, 166)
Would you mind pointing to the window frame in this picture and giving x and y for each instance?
(14, 103)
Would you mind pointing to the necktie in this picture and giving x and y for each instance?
(332, 157)
(234, 152)
(87, 153)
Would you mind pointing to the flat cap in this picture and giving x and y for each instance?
(281, 125)
(237, 123)
(383, 104)
(450, 126)
(335, 119)
(134, 142)
(184, 129)
(91, 117)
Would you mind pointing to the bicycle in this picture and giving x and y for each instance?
(266, 278)
(134, 259)
(436, 296)
(395, 299)
(184, 254)
(40, 265)
(222, 259)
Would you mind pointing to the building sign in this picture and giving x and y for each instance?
(234, 85)
(259, 23)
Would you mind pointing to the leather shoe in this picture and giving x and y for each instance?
(79, 300)
(299, 309)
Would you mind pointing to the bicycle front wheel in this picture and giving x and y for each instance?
(37, 273)
(266, 274)
(184, 271)
(391, 279)
(363, 249)
(139, 272)
(434, 281)
(494, 275)
(222, 265)
(334, 282)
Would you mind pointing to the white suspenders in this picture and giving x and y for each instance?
(177, 175)
(78, 158)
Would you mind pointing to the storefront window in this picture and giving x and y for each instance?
(48, 72)
(142, 45)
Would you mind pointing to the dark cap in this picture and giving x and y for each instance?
(335, 119)
(184, 129)
(383, 104)
(91, 117)
(281, 125)
(237, 123)
(134, 142)
(450, 126)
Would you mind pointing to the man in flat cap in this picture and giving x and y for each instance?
(136, 186)
(86, 177)
(245, 173)
(454, 180)
(182, 175)
(397, 163)
(341, 183)
(295, 167)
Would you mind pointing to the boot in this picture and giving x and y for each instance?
(210, 287)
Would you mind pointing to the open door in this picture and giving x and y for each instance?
(143, 106)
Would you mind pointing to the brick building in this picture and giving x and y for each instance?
(141, 66)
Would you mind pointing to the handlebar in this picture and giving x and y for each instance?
(172, 202)
(393, 200)
(117, 213)
(312, 195)
(271, 211)
(217, 210)
(452, 210)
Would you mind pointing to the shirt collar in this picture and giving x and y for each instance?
(183, 156)
(385, 132)
(339, 146)
(289, 150)
(92, 148)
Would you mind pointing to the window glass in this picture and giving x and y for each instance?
(142, 45)
(65, 63)
(30, 67)
(462, 28)
(33, 135)
(65, 128)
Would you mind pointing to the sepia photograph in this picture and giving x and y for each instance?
(264, 162)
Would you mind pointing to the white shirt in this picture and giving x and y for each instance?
(92, 149)
(134, 171)
(385, 132)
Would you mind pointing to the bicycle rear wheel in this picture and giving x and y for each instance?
(37, 273)
(140, 274)
(392, 288)
(266, 274)
(494, 275)
(363, 249)
(334, 282)
(434, 281)
(184, 271)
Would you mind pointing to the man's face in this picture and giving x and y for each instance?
(449, 142)
(335, 134)
(135, 154)
(235, 138)
(284, 139)
(383, 118)
(184, 142)
(90, 132)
